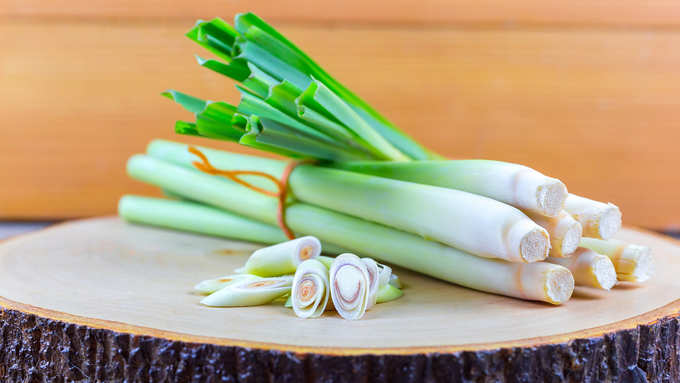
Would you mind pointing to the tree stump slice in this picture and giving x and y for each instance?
(103, 300)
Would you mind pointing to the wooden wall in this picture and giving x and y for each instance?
(585, 91)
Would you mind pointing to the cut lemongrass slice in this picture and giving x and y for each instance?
(327, 261)
(349, 286)
(565, 232)
(384, 274)
(599, 219)
(633, 263)
(289, 302)
(311, 291)
(589, 268)
(395, 281)
(282, 258)
(373, 279)
(249, 293)
(388, 293)
(209, 286)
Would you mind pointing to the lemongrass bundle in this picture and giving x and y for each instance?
(282, 258)
(589, 268)
(209, 286)
(599, 219)
(565, 232)
(249, 292)
(350, 286)
(513, 184)
(537, 281)
(633, 263)
(472, 223)
(311, 289)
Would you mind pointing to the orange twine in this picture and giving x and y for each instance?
(281, 184)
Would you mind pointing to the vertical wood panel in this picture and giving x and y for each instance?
(599, 109)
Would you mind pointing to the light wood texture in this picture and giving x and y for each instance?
(106, 273)
(617, 13)
(597, 108)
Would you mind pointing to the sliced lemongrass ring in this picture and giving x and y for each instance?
(282, 258)
(250, 292)
(209, 286)
(349, 286)
(373, 279)
(311, 289)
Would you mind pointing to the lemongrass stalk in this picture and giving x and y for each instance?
(514, 184)
(249, 292)
(183, 214)
(599, 219)
(282, 258)
(633, 263)
(565, 232)
(209, 286)
(395, 281)
(311, 289)
(350, 286)
(589, 268)
(289, 302)
(373, 280)
(197, 218)
(388, 293)
(537, 281)
(470, 222)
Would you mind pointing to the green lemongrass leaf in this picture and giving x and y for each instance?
(258, 31)
(259, 82)
(186, 128)
(236, 69)
(216, 35)
(388, 293)
(272, 64)
(277, 48)
(266, 133)
(190, 103)
(335, 106)
(252, 105)
(217, 121)
(282, 97)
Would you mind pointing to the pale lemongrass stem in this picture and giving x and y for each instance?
(514, 184)
(599, 220)
(589, 268)
(565, 232)
(350, 286)
(282, 258)
(633, 263)
(209, 286)
(388, 293)
(541, 281)
(249, 293)
(470, 222)
(311, 289)
(373, 280)
(187, 215)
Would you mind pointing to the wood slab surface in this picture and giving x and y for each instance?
(86, 284)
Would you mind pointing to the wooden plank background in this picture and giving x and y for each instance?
(582, 94)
